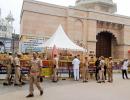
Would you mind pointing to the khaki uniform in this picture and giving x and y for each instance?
(9, 69)
(85, 71)
(110, 71)
(55, 69)
(34, 74)
(17, 70)
(11, 59)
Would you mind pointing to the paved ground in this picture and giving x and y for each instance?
(72, 90)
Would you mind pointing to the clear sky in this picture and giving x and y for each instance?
(15, 6)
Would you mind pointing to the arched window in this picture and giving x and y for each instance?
(78, 30)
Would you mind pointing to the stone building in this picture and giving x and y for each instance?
(92, 23)
(6, 30)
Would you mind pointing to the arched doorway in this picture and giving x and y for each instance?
(78, 30)
(106, 42)
(1, 43)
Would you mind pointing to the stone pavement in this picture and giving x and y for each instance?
(72, 90)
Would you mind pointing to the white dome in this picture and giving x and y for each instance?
(108, 5)
(107, 1)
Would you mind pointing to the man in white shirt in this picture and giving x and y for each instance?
(125, 68)
(76, 63)
(101, 71)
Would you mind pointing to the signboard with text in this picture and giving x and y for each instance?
(31, 43)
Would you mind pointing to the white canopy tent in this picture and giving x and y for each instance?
(61, 41)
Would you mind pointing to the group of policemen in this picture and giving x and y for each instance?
(34, 72)
(101, 67)
(13, 66)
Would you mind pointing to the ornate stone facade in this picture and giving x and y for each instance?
(83, 24)
(6, 30)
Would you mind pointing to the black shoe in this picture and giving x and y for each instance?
(103, 81)
(23, 83)
(41, 92)
(85, 81)
(15, 84)
(54, 81)
(30, 95)
(5, 84)
(99, 82)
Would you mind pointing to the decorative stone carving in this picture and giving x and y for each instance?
(6, 31)
(109, 26)
(6, 26)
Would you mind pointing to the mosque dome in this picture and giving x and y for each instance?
(88, 1)
(97, 5)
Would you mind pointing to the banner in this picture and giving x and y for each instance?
(7, 45)
(31, 43)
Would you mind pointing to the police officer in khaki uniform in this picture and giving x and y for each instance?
(9, 68)
(11, 59)
(85, 70)
(36, 63)
(17, 70)
(109, 70)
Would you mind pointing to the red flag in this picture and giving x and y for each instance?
(54, 51)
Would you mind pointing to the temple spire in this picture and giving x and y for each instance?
(10, 18)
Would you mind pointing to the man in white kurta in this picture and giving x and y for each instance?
(76, 63)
